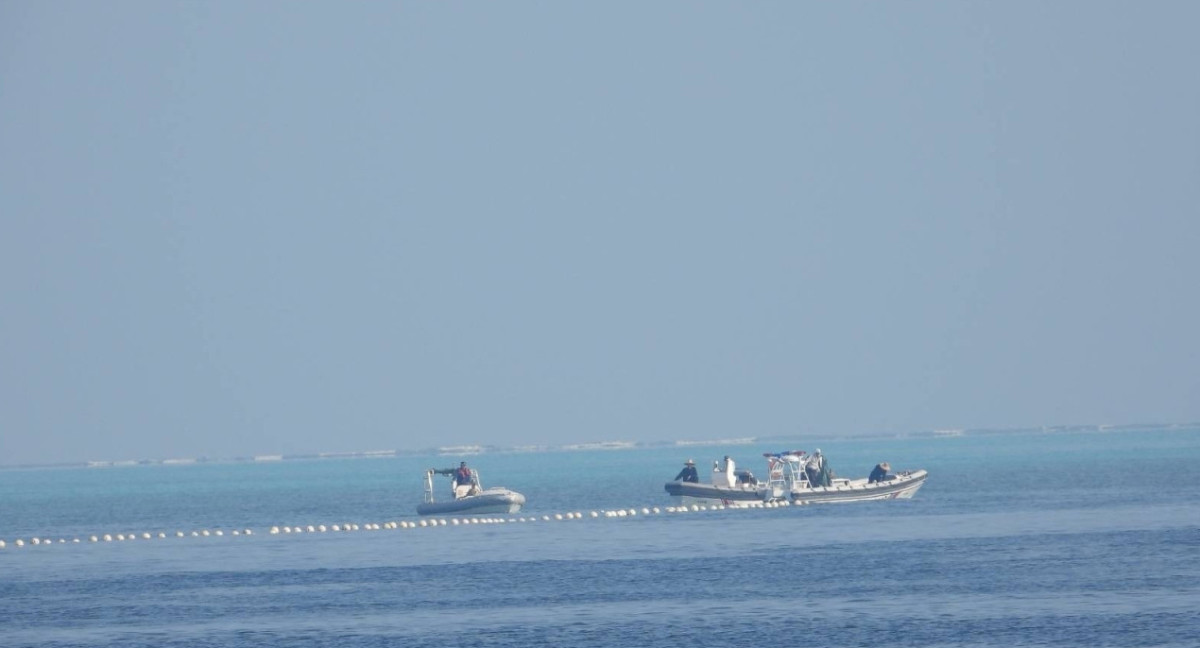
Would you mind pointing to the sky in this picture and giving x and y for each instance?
(230, 229)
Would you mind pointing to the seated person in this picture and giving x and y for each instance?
(464, 483)
(688, 474)
(879, 473)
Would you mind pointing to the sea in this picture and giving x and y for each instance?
(1061, 538)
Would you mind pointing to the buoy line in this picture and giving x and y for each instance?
(343, 527)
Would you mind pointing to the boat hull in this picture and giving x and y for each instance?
(900, 487)
(692, 491)
(493, 500)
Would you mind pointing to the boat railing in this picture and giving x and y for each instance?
(429, 486)
(449, 472)
(785, 472)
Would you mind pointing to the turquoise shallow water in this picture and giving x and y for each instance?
(1039, 539)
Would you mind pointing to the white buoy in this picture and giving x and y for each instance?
(595, 514)
(247, 532)
(74, 540)
(274, 530)
(146, 535)
(19, 542)
(36, 541)
(108, 537)
(218, 532)
(179, 534)
(205, 533)
(2, 545)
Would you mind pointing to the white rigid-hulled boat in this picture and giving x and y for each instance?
(469, 498)
(798, 478)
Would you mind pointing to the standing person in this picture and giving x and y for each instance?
(688, 474)
(812, 468)
(730, 472)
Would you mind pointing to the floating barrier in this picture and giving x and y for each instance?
(424, 523)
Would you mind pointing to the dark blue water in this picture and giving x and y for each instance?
(1036, 540)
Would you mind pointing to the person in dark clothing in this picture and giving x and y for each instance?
(462, 476)
(880, 473)
(464, 482)
(688, 474)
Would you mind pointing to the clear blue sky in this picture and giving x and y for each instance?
(232, 228)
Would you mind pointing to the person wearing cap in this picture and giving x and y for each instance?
(688, 474)
(813, 469)
(879, 473)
